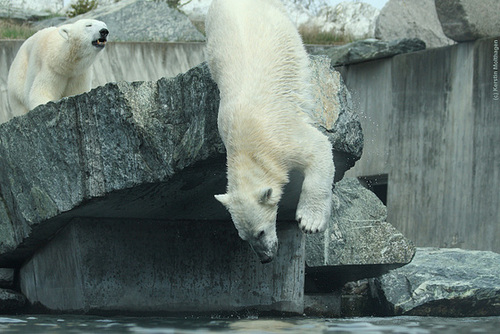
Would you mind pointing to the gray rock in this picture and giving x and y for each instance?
(22, 14)
(366, 50)
(50, 22)
(336, 115)
(358, 233)
(411, 19)
(118, 151)
(52, 6)
(322, 305)
(11, 301)
(6, 277)
(467, 20)
(141, 20)
(444, 282)
(351, 19)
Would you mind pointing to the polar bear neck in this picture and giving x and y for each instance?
(255, 171)
(78, 56)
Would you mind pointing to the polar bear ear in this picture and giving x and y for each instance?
(224, 199)
(266, 196)
(64, 31)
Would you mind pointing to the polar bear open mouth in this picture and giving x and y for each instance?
(100, 43)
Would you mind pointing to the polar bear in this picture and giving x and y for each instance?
(259, 63)
(54, 63)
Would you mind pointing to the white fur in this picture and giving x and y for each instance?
(53, 63)
(257, 58)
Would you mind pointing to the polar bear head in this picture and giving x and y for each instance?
(85, 36)
(254, 216)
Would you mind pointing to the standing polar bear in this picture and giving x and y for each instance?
(54, 63)
(259, 63)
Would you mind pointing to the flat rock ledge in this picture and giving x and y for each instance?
(118, 152)
(367, 50)
(443, 282)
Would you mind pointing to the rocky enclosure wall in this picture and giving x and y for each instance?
(431, 121)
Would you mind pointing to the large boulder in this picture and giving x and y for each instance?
(141, 21)
(22, 14)
(358, 242)
(354, 20)
(336, 115)
(47, 6)
(444, 282)
(467, 20)
(142, 149)
(411, 19)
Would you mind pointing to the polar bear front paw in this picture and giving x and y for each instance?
(311, 222)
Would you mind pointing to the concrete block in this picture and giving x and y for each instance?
(97, 266)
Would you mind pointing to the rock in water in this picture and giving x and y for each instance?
(444, 282)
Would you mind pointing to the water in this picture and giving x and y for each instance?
(151, 325)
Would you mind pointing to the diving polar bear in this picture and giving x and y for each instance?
(54, 63)
(259, 63)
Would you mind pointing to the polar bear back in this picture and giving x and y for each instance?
(20, 76)
(247, 43)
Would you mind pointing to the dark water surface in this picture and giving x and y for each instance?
(152, 325)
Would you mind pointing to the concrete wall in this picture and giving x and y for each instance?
(431, 122)
(163, 266)
(118, 62)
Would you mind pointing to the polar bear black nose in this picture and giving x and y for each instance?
(104, 32)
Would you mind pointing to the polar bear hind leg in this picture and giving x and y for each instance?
(315, 203)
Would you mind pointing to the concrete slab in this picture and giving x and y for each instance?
(146, 266)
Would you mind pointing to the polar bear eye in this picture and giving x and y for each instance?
(261, 234)
(89, 25)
